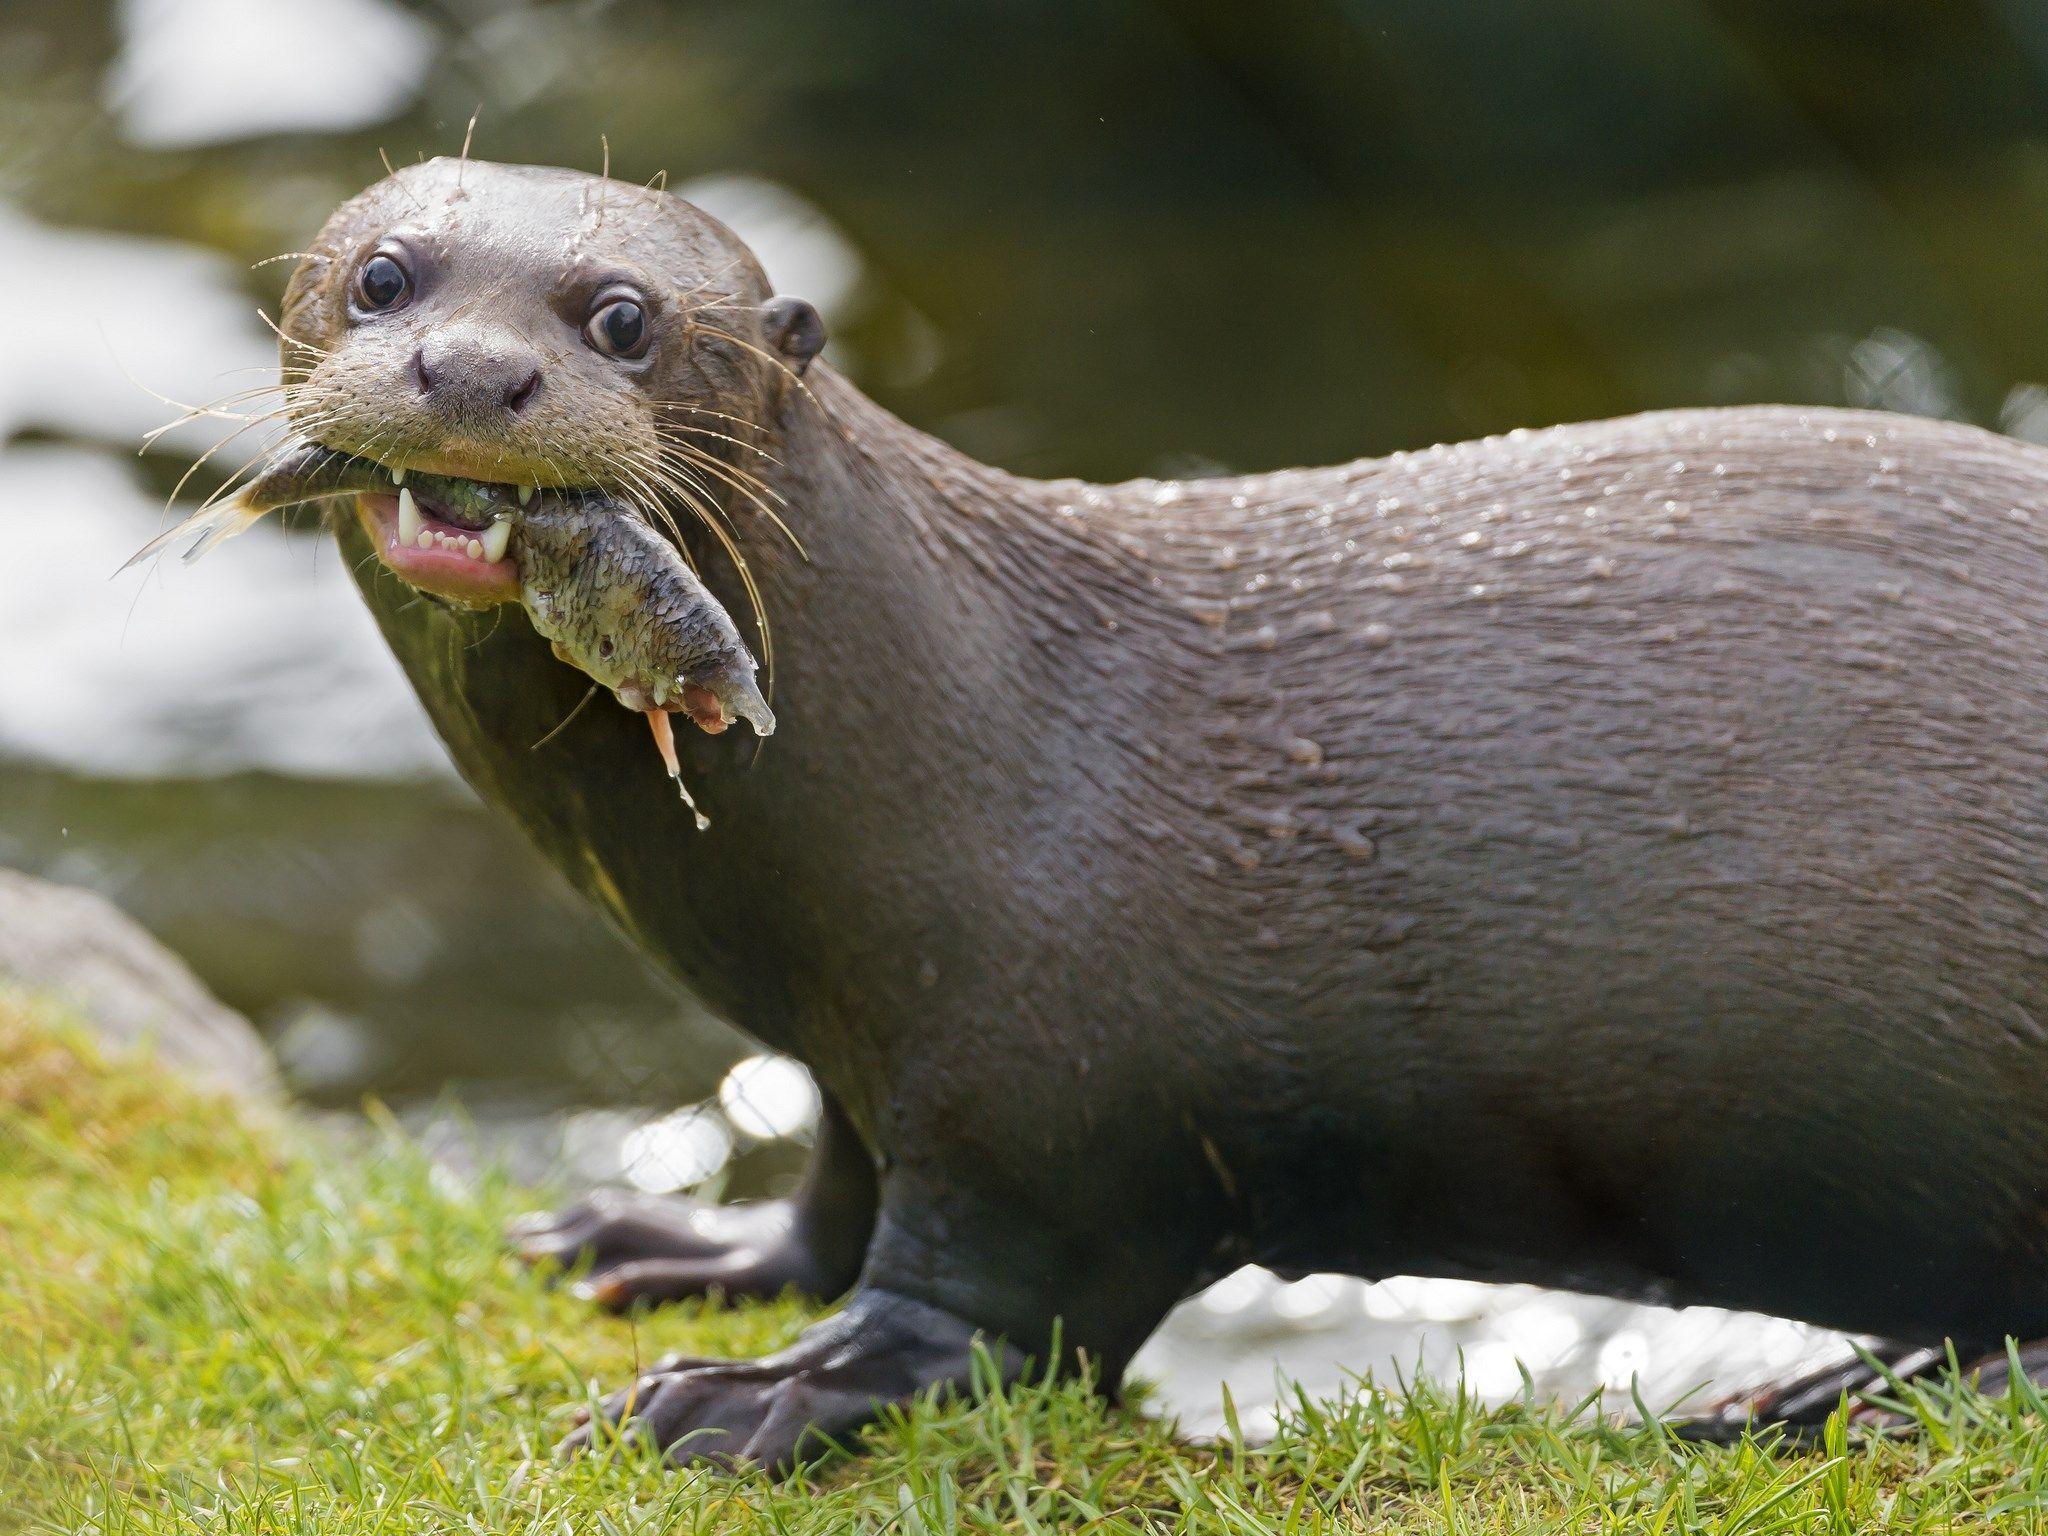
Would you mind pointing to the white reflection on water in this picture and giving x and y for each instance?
(1255, 1333)
(801, 250)
(678, 1151)
(194, 72)
(185, 330)
(259, 656)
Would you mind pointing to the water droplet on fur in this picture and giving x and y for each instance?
(1279, 825)
(1355, 842)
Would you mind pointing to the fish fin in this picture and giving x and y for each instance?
(665, 742)
(212, 524)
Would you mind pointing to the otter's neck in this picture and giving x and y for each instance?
(928, 687)
(881, 508)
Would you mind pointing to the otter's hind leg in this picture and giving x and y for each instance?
(652, 1248)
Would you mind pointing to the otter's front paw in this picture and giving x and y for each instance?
(652, 1248)
(792, 1407)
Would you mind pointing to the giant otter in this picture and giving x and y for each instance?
(1612, 856)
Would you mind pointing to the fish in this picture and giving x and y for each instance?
(299, 473)
(612, 596)
(618, 602)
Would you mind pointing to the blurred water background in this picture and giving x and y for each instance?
(1107, 239)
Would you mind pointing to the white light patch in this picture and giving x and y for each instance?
(194, 72)
(1308, 1298)
(259, 656)
(769, 1097)
(1623, 1358)
(1491, 1371)
(1539, 1334)
(186, 332)
(678, 1151)
(1238, 1290)
(801, 250)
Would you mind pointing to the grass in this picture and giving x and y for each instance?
(213, 1324)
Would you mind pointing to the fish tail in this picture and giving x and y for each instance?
(212, 525)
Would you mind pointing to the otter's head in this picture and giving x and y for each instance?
(534, 326)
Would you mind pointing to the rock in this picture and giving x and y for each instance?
(82, 950)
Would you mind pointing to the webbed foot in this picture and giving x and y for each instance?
(645, 1248)
(794, 1406)
(652, 1248)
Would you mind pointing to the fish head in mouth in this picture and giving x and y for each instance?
(523, 326)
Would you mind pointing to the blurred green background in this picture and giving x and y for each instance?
(1112, 238)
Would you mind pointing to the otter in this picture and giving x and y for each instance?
(1612, 856)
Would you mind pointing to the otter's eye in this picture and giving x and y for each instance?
(381, 283)
(619, 329)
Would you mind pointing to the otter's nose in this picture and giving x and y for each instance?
(466, 376)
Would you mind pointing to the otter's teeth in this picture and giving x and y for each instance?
(409, 522)
(398, 477)
(426, 539)
(498, 538)
(525, 494)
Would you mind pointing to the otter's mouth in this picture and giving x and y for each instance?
(431, 543)
(443, 534)
(674, 649)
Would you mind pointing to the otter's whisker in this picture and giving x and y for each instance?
(700, 501)
(588, 694)
(469, 133)
(215, 412)
(290, 256)
(742, 483)
(194, 467)
(716, 436)
(397, 181)
(756, 604)
(290, 341)
(705, 410)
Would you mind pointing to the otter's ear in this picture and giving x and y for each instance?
(794, 329)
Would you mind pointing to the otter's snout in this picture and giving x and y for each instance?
(470, 376)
